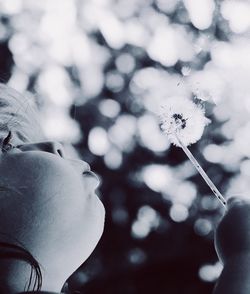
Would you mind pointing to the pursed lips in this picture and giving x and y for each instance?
(92, 178)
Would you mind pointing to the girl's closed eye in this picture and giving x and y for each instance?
(6, 146)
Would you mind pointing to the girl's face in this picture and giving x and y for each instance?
(50, 204)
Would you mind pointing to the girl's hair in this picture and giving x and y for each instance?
(17, 110)
(12, 251)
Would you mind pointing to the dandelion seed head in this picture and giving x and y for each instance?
(180, 116)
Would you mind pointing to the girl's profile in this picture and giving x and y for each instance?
(50, 217)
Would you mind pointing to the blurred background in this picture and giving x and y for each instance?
(99, 70)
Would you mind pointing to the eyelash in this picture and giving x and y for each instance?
(6, 142)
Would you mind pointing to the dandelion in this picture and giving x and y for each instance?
(183, 122)
(183, 117)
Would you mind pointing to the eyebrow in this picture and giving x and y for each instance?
(13, 117)
(21, 137)
(18, 113)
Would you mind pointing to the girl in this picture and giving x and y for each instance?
(50, 217)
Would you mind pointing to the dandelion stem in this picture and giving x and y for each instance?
(202, 172)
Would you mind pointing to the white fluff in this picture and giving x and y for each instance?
(183, 117)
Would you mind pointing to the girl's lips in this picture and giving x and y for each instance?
(93, 177)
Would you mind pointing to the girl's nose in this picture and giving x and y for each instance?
(48, 146)
(56, 148)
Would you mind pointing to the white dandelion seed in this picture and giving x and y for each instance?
(186, 70)
(183, 122)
